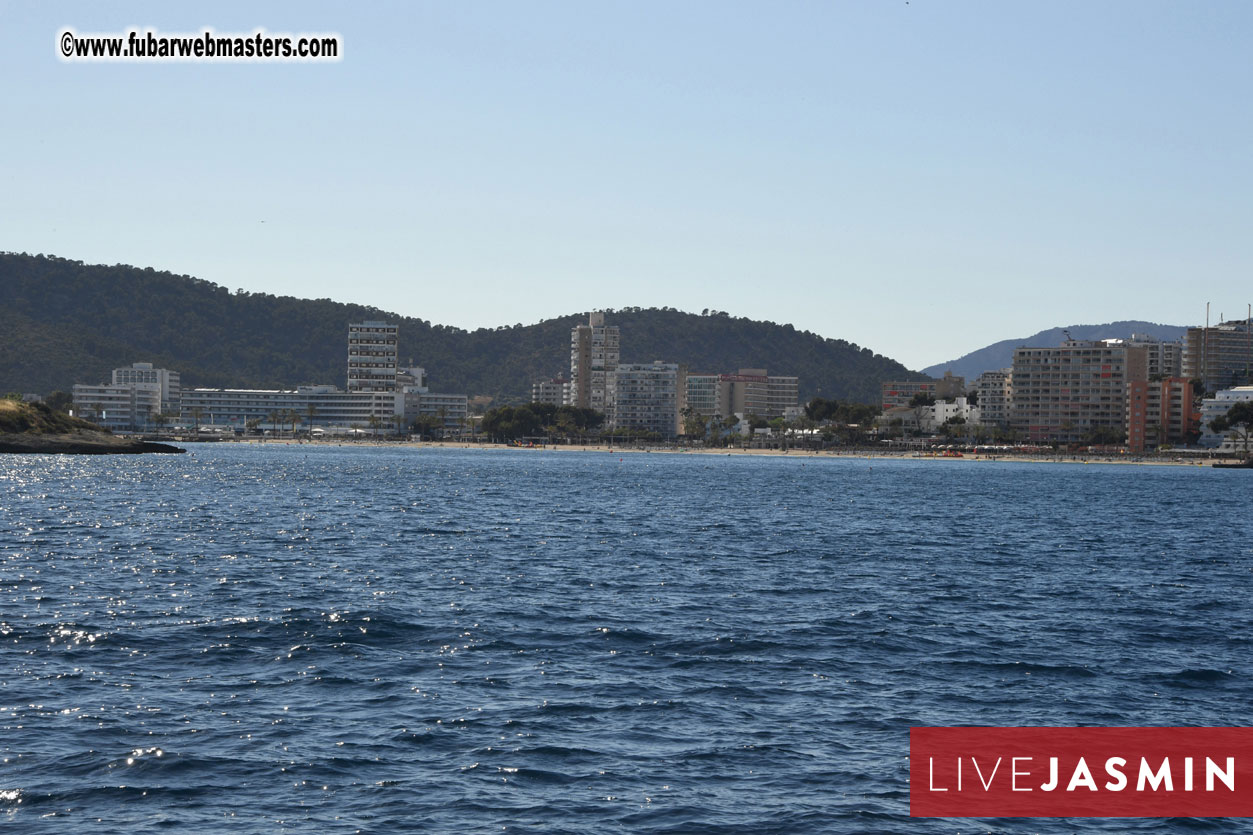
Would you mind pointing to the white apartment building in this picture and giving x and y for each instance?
(372, 363)
(555, 391)
(1217, 406)
(647, 397)
(994, 390)
(325, 407)
(133, 401)
(929, 419)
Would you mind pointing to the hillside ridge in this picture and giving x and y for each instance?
(1000, 354)
(67, 322)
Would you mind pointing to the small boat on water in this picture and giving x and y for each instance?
(1246, 464)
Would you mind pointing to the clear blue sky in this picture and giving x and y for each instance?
(920, 178)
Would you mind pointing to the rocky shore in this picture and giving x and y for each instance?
(34, 428)
(80, 443)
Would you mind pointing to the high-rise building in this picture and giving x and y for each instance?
(143, 372)
(994, 392)
(1068, 393)
(646, 396)
(702, 394)
(593, 359)
(1160, 412)
(1220, 356)
(372, 356)
(1163, 359)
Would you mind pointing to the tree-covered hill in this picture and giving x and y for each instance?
(64, 322)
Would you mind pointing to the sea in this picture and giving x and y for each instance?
(321, 639)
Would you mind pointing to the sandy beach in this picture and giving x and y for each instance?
(1164, 460)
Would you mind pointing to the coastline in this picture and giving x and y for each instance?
(867, 455)
(81, 443)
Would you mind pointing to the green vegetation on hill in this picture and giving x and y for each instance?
(17, 418)
(64, 322)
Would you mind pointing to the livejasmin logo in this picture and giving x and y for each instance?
(1081, 772)
(1081, 776)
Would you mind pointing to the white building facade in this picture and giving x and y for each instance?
(555, 391)
(646, 397)
(750, 391)
(995, 393)
(315, 407)
(137, 399)
(372, 363)
(1217, 406)
(417, 401)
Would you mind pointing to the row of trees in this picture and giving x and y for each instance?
(509, 423)
(1239, 421)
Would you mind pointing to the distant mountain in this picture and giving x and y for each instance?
(1001, 354)
(64, 322)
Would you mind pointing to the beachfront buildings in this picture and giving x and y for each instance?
(1075, 392)
(380, 396)
(749, 391)
(1220, 356)
(646, 398)
(138, 398)
(594, 353)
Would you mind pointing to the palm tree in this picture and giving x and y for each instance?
(310, 411)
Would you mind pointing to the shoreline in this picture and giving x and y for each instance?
(868, 455)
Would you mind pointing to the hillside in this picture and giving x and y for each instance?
(65, 322)
(1001, 354)
(35, 428)
(17, 418)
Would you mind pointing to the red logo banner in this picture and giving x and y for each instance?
(1080, 772)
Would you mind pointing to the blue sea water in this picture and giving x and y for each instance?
(321, 639)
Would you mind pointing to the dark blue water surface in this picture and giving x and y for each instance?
(316, 639)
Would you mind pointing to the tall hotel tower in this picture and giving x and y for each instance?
(593, 360)
(372, 357)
